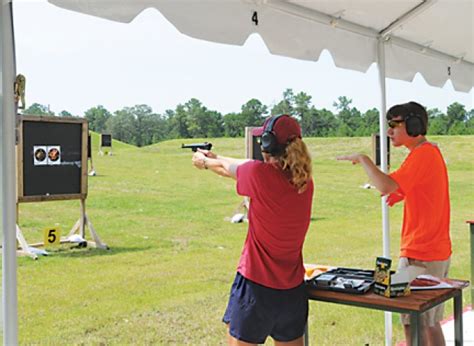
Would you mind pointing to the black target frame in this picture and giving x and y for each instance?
(376, 150)
(66, 179)
(106, 140)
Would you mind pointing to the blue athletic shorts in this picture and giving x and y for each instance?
(255, 312)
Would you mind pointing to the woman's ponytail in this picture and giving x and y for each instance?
(297, 161)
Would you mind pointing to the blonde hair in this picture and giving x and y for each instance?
(297, 161)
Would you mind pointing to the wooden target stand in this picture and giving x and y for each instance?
(24, 249)
(105, 142)
(252, 151)
(51, 166)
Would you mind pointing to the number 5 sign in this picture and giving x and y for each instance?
(52, 236)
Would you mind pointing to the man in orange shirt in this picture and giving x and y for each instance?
(422, 183)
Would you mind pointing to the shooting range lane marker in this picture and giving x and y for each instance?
(52, 236)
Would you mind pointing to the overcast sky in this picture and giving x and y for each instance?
(74, 62)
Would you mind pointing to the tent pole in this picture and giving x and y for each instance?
(384, 166)
(383, 141)
(7, 174)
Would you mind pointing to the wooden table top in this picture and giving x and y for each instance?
(417, 301)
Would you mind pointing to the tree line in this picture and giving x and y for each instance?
(140, 126)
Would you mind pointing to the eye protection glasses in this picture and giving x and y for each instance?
(395, 123)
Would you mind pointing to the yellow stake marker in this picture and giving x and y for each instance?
(52, 236)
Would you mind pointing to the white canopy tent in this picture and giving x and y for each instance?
(432, 37)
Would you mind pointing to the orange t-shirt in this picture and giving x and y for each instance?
(423, 181)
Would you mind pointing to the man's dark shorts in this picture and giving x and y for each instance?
(255, 312)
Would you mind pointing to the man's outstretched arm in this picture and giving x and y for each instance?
(383, 182)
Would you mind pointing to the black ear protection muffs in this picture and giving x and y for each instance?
(414, 125)
(269, 141)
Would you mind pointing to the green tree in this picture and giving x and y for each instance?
(304, 111)
(234, 125)
(456, 114)
(343, 130)
(202, 122)
(369, 123)
(215, 125)
(38, 109)
(459, 128)
(122, 126)
(147, 124)
(433, 113)
(253, 113)
(350, 117)
(158, 126)
(470, 115)
(437, 122)
(325, 123)
(65, 113)
(300, 107)
(177, 122)
(137, 125)
(470, 122)
(97, 118)
(285, 106)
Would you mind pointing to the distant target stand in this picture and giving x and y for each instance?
(52, 156)
(105, 144)
(254, 152)
(376, 150)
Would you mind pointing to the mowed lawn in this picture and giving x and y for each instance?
(173, 252)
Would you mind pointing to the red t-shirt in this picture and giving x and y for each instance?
(279, 217)
(423, 182)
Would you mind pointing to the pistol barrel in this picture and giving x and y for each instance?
(195, 146)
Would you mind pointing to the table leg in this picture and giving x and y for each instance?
(471, 226)
(306, 336)
(458, 337)
(415, 332)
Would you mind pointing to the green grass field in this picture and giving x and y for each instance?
(172, 257)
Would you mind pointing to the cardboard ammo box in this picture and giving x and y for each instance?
(387, 282)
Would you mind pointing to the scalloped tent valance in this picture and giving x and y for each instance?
(434, 38)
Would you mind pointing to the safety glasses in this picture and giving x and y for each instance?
(395, 123)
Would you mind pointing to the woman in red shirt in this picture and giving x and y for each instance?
(268, 297)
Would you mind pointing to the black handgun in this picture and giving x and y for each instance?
(194, 147)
